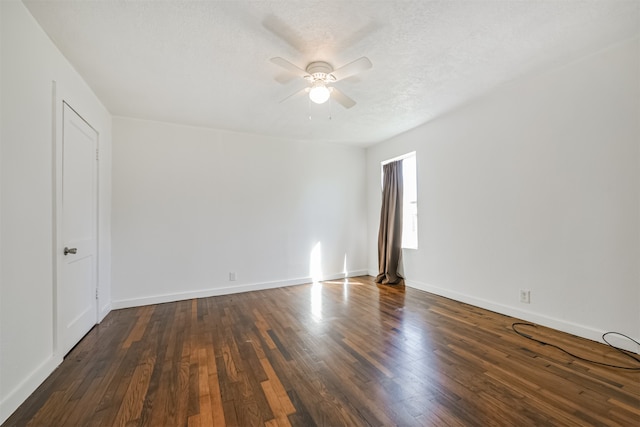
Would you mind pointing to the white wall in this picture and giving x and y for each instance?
(191, 205)
(535, 186)
(29, 64)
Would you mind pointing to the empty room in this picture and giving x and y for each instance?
(306, 213)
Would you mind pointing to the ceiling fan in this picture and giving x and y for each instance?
(320, 75)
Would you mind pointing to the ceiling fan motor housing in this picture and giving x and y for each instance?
(321, 71)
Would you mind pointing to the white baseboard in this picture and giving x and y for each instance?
(355, 273)
(224, 290)
(530, 316)
(22, 391)
(104, 311)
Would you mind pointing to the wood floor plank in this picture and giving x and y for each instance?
(337, 353)
(275, 386)
(138, 330)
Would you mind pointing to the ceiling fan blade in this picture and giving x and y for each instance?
(285, 78)
(289, 66)
(301, 91)
(341, 98)
(355, 67)
(281, 30)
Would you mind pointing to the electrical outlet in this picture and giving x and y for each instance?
(232, 276)
(525, 296)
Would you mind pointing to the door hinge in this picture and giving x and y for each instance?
(97, 155)
(96, 293)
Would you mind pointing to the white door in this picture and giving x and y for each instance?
(77, 290)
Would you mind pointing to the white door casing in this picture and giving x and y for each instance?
(77, 286)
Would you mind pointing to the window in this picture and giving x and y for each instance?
(410, 203)
(409, 199)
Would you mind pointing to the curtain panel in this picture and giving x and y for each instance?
(390, 234)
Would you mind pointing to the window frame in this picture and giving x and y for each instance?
(404, 157)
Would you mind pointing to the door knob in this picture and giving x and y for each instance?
(68, 251)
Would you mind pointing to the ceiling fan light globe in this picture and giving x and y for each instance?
(319, 94)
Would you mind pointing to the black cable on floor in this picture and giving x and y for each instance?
(621, 350)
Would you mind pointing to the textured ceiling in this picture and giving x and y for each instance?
(206, 63)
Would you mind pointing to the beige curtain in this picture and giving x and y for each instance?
(390, 234)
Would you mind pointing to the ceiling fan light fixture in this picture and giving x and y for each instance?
(319, 93)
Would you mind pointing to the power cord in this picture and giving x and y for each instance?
(621, 350)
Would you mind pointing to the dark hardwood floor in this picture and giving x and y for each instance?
(331, 354)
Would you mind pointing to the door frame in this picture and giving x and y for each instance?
(59, 98)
